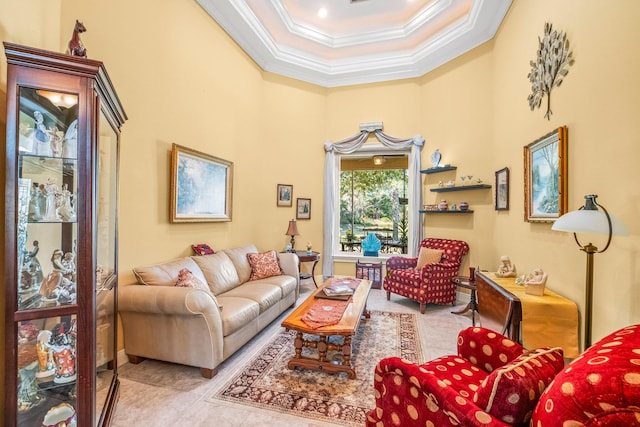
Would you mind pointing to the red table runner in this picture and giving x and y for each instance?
(325, 312)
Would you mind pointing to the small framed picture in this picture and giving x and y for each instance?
(502, 189)
(285, 195)
(303, 208)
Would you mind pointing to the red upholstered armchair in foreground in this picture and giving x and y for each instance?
(600, 388)
(431, 282)
(492, 382)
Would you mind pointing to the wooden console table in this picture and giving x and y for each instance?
(549, 320)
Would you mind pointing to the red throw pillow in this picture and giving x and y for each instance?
(510, 393)
(202, 249)
(264, 265)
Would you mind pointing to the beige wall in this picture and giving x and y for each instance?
(183, 80)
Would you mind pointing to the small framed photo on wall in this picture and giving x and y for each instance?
(285, 195)
(502, 189)
(303, 208)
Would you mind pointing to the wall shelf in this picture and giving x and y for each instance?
(446, 212)
(439, 169)
(460, 188)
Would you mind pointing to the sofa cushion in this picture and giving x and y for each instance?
(219, 272)
(237, 313)
(166, 273)
(264, 265)
(265, 294)
(511, 392)
(239, 258)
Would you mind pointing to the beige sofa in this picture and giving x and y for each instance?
(198, 327)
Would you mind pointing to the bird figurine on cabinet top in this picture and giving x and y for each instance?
(76, 48)
(435, 158)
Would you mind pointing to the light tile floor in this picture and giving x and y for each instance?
(162, 394)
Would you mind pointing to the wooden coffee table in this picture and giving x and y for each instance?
(346, 328)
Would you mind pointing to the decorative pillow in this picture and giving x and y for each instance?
(202, 249)
(428, 256)
(264, 265)
(186, 279)
(510, 393)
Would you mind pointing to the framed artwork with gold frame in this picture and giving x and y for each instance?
(545, 177)
(201, 186)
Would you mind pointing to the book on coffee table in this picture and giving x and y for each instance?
(335, 291)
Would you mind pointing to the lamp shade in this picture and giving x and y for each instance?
(590, 219)
(292, 230)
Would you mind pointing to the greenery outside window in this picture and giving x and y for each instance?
(373, 199)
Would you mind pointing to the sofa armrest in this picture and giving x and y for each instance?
(289, 263)
(487, 349)
(166, 300)
(407, 395)
(175, 324)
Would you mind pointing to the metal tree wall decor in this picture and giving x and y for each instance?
(549, 69)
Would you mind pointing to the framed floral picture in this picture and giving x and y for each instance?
(303, 208)
(285, 195)
(201, 186)
(502, 189)
(545, 177)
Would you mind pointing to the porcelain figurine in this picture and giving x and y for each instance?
(506, 269)
(536, 282)
(443, 205)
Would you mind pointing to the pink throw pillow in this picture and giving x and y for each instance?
(186, 279)
(264, 265)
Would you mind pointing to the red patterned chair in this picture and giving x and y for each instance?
(600, 388)
(432, 283)
(492, 382)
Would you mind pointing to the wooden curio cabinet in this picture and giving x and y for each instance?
(60, 228)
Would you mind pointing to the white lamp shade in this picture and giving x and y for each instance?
(590, 221)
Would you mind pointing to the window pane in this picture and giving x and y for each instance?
(372, 201)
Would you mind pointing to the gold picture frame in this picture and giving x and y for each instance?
(201, 186)
(545, 177)
(284, 195)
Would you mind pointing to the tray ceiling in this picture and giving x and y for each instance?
(357, 41)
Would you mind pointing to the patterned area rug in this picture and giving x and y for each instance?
(266, 382)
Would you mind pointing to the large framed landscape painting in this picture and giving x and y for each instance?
(545, 177)
(201, 186)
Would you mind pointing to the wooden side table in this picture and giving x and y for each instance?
(464, 282)
(303, 256)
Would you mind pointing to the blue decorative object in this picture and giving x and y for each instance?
(371, 245)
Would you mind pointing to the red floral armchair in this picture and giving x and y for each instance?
(492, 382)
(432, 283)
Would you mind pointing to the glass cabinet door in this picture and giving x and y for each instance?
(46, 236)
(106, 271)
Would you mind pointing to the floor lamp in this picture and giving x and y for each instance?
(589, 219)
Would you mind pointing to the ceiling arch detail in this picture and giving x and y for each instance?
(362, 41)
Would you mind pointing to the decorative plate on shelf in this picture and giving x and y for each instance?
(435, 158)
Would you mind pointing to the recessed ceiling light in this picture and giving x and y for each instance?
(322, 12)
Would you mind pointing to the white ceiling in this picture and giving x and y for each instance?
(359, 41)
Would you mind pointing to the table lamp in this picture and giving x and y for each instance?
(589, 219)
(292, 231)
